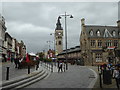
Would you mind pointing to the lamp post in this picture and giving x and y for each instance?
(66, 15)
(54, 39)
(49, 44)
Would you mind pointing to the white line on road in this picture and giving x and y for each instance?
(94, 80)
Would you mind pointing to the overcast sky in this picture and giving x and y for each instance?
(33, 22)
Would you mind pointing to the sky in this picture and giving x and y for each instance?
(33, 22)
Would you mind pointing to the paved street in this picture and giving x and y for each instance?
(75, 77)
(14, 72)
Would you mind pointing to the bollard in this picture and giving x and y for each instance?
(51, 67)
(28, 69)
(7, 73)
(98, 67)
(100, 80)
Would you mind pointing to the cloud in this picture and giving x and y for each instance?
(34, 21)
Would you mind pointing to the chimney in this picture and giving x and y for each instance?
(82, 21)
(118, 23)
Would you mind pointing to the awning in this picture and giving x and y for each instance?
(112, 47)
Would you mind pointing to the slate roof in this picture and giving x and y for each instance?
(102, 29)
(71, 50)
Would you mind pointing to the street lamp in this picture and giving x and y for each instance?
(49, 44)
(54, 39)
(65, 15)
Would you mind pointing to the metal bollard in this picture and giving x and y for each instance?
(7, 73)
(51, 67)
(100, 80)
(98, 67)
(28, 69)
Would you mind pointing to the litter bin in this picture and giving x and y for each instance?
(107, 79)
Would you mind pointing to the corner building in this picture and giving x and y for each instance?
(99, 44)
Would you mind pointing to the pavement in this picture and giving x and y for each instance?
(20, 77)
(13, 72)
(74, 77)
(104, 86)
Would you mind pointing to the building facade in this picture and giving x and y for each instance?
(74, 54)
(59, 37)
(22, 49)
(2, 37)
(99, 43)
(8, 40)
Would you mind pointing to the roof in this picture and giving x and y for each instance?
(105, 31)
(71, 50)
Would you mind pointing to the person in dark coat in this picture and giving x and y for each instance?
(60, 67)
(15, 61)
(116, 76)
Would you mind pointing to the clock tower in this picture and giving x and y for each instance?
(59, 37)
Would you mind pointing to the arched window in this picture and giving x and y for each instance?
(91, 32)
(59, 42)
(114, 33)
(98, 33)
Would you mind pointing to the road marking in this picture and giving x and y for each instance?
(94, 80)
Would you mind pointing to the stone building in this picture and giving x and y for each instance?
(59, 37)
(99, 43)
(2, 37)
(8, 45)
(22, 49)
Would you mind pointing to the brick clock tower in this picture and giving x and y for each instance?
(59, 37)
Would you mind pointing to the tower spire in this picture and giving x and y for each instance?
(58, 25)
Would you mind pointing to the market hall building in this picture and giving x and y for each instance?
(100, 44)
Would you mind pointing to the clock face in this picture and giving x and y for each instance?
(59, 33)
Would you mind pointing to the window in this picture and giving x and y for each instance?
(91, 32)
(108, 43)
(113, 33)
(116, 43)
(59, 42)
(92, 43)
(98, 33)
(98, 57)
(99, 43)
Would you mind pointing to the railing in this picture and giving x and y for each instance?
(47, 65)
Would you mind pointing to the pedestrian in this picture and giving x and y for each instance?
(15, 61)
(109, 66)
(37, 63)
(116, 76)
(64, 66)
(18, 62)
(60, 67)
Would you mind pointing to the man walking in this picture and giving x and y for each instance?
(60, 67)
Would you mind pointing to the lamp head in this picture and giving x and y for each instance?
(71, 16)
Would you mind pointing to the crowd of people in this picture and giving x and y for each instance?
(115, 72)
